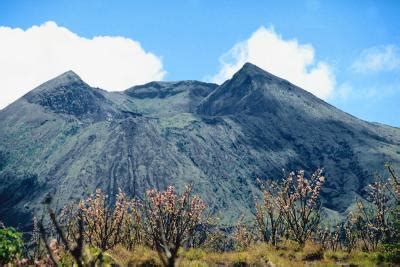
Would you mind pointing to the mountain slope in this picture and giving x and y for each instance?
(280, 117)
(67, 138)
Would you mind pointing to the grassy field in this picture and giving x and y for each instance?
(287, 254)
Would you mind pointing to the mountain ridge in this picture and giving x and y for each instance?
(67, 139)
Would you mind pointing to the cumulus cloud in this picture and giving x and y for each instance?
(33, 56)
(378, 58)
(285, 58)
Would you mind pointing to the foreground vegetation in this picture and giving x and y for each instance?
(262, 254)
(171, 229)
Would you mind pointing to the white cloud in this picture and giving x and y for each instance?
(377, 58)
(285, 58)
(33, 56)
(344, 91)
(347, 92)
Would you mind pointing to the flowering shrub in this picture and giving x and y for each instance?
(167, 221)
(35, 240)
(243, 236)
(170, 219)
(299, 204)
(91, 223)
(328, 238)
(219, 240)
(374, 223)
(373, 215)
(392, 246)
(269, 219)
(292, 204)
(104, 226)
(394, 181)
(351, 231)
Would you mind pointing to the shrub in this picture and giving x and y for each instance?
(379, 216)
(391, 253)
(170, 220)
(243, 235)
(104, 226)
(11, 245)
(374, 215)
(269, 219)
(299, 201)
(219, 241)
(292, 204)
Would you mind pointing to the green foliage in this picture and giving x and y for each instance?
(93, 255)
(66, 260)
(11, 245)
(391, 253)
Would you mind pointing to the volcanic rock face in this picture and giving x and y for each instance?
(66, 139)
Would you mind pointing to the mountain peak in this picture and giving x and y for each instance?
(70, 73)
(67, 77)
(250, 69)
(67, 94)
(255, 91)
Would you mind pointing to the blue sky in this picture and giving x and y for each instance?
(357, 41)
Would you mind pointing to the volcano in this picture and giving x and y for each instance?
(66, 138)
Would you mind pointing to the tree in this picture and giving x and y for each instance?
(169, 220)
